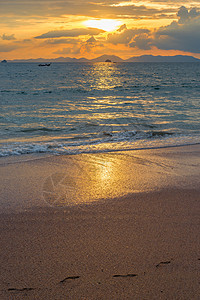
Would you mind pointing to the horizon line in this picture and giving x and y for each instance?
(108, 55)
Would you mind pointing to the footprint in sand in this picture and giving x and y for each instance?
(20, 290)
(127, 275)
(69, 278)
(163, 263)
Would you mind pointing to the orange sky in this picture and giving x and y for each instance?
(53, 28)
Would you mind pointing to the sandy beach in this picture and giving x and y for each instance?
(121, 225)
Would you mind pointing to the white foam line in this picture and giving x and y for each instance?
(98, 151)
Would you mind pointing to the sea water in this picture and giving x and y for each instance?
(70, 108)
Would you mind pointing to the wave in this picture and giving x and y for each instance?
(108, 141)
(45, 129)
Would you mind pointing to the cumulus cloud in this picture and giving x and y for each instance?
(81, 47)
(124, 35)
(183, 35)
(70, 33)
(6, 37)
(185, 15)
(142, 41)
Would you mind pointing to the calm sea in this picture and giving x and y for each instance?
(71, 108)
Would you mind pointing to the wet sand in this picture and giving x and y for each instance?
(101, 226)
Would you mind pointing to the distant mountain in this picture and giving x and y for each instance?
(114, 58)
(83, 59)
(58, 59)
(101, 58)
(159, 58)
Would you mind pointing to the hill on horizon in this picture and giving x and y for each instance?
(159, 58)
(114, 58)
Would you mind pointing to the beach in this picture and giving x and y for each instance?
(115, 225)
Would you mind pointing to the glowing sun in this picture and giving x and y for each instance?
(104, 24)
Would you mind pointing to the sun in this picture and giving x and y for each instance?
(104, 24)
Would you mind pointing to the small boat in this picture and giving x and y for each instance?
(44, 65)
(4, 61)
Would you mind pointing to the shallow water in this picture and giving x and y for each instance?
(93, 107)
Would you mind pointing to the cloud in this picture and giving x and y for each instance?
(142, 42)
(69, 50)
(122, 27)
(91, 40)
(124, 35)
(70, 33)
(183, 35)
(61, 41)
(6, 37)
(94, 8)
(86, 47)
(27, 40)
(185, 15)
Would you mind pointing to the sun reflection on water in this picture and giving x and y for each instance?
(105, 76)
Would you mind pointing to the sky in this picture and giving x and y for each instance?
(84, 28)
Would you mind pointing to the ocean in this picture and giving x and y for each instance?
(70, 108)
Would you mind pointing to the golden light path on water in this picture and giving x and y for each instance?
(105, 76)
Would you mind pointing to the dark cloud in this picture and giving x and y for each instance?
(6, 37)
(183, 35)
(124, 35)
(70, 33)
(95, 8)
(185, 15)
(142, 41)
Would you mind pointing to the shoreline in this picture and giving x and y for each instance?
(35, 156)
(102, 226)
(152, 145)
